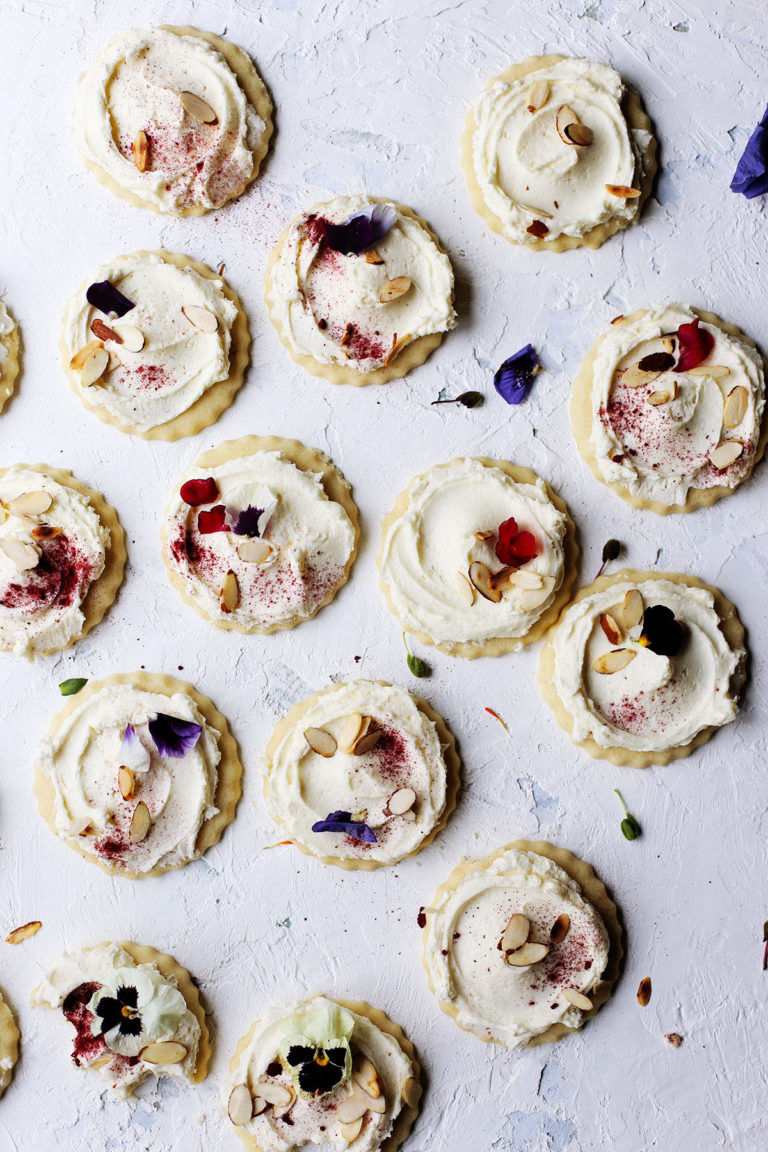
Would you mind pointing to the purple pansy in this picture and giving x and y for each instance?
(247, 523)
(360, 231)
(515, 376)
(173, 736)
(107, 298)
(343, 822)
(751, 175)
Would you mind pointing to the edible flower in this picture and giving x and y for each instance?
(694, 345)
(315, 1049)
(247, 523)
(212, 520)
(133, 1007)
(173, 736)
(360, 231)
(343, 822)
(107, 298)
(514, 547)
(515, 376)
(662, 631)
(133, 754)
(751, 175)
(195, 492)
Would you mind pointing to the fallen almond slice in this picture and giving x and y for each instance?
(23, 556)
(411, 1092)
(141, 822)
(31, 503)
(623, 192)
(663, 395)
(278, 1095)
(197, 108)
(126, 782)
(610, 628)
(102, 331)
(613, 661)
(735, 408)
(140, 150)
(94, 367)
(538, 94)
(365, 1075)
(240, 1105)
(45, 532)
(632, 608)
(253, 550)
(577, 999)
(634, 376)
(351, 1131)
(163, 1052)
(644, 992)
(320, 741)
(368, 740)
(372, 257)
(529, 954)
(400, 801)
(465, 590)
(201, 318)
(79, 358)
(726, 453)
(480, 577)
(716, 371)
(131, 337)
(560, 928)
(516, 933)
(351, 728)
(24, 932)
(229, 597)
(394, 289)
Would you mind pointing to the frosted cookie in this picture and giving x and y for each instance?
(156, 344)
(558, 153)
(361, 774)
(139, 774)
(477, 557)
(135, 1011)
(323, 1073)
(9, 1045)
(359, 290)
(643, 667)
(522, 947)
(667, 408)
(172, 119)
(62, 554)
(261, 534)
(9, 355)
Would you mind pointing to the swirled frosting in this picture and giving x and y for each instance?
(466, 965)
(656, 701)
(82, 758)
(313, 1121)
(7, 326)
(526, 172)
(308, 538)
(178, 362)
(660, 451)
(77, 982)
(327, 304)
(41, 606)
(427, 551)
(305, 787)
(134, 86)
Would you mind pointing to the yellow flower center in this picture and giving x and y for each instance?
(321, 1059)
(126, 1011)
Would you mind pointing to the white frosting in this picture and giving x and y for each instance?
(467, 969)
(655, 702)
(312, 537)
(7, 326)
(660, 452)
(178, 362)
(306, 1116)
(133, 85)
(41, 608)
(107, 965)
(426, 552)
(521, 164)
(83, 756)
(312, 285)
(305, 787)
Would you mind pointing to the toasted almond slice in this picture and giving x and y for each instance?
(365, 1075)
(482, 536)
(564, 117)
(529, 954)
(240, 1105)
(23, 556)
(726, 453)
(644, 992)
(410, 1093)
(102, 331)
(126, 782)
(348, 334)
(141, 822)
(140, 150)
(79, 358)
(663, 395)
(229, 597)
(577, 999)
(716, 371)
(529, 598)
(201, 318)
(632, 608)
(354, 1105)
(579, 134)
(613, 661)
(617, 319)
(131, 337)
(611, 628)
(538, 94)
(634, 376)
(367, 741)
(623, 192)
(560, 928)
(397, 345)
(516, 933)
(163, 1052)
(372, 257)
(525, 578)
(94, 367)
(503, 579)
(320, 741)
(394, 289)
(401, 800)
(465, 590)
(735, 408)
(351, 1131)
(45, 532)
(24, 932)
(480, 577)
(278, 1095)
(253, 550)
(351, 728)
(31, 503)
(197, 108)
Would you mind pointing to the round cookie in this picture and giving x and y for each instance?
(629, 442)
(377, 317)
(10, 346)
(590, 929)
(473, 603)
(60, 566)
(365, 757)
(541, 230)
(196, 176)
(164, 1022)
(9, 1045)
(212, 550)
(368, 1035)
(637, 716)
(93, 807)
(138, 391)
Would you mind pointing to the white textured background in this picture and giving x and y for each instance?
(371, 96)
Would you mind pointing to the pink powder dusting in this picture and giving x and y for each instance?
(61, 577)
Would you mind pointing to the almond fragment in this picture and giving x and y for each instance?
(140, 824)
(529, 598)
(259, 1103)
(280, 1110)
(465, 590)
(240, 1105)
(516, 933)
(503, 578)
(617, 319)
(560, 928)
(644, 992)
(201, 318)
(131, 337)
(114, 360)
(634, 376)
(735, 408)
(23, 556)
(45, 532)
(351, 728)
(229, 597)
(579, 134)
(197, 108)
(278, 1095)
(529, 954)
(320, 741)
(610, 628)
(726, 453)
(577, 999)
(94, 367)
(397, 345)
(368, 740)
(126, 782)
(79, 358)
(535, 211)
(400, 801)
(674, 1038)
(102, 331)
(349, 332)
(365, 1075)
(163, 1052)
(31, 503)
(351, 1131)
(24, 932)
(480, 577)
(538, 94)
(253, 550)
(663, 395)
(613, 661)
(372, 257)
(524, 578)
(632, 608)
(623, 192)
(140, 150)
(394, 289)
(564, 117)
(411, 1092)
(482, 536)
(716, 371)
(354, 1105)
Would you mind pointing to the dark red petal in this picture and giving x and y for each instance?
(508, 529)
(196, 492)
(214, 520)
(694, 345)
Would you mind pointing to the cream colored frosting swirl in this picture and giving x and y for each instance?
(82, 759)
(466, 967)
(76, 981)
(308, 539)
(134, 86)
(178, 362)
(661, 451)
(427, 551)
(327, 304)
(41, 607)
(312, 1121)
(305, 787)
(526, 171)
(656, 702)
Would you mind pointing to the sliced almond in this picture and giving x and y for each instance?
(644, 992)
(525, 578)
(483, 536)
(351, 1131)
(365, 742)
(503, 579)
(613, 661)
(726, 453)
(400, 801)
(410, 1092)
(351, 728)
(564, 117)
(45, 532)
(529, 954)
(663, 395)
(716, 371)
(528, 598)
(163, 1052)
(114, 360)
(578, 999)
(632, 609)
(24, 932)
(516, 933)
(253, 550)
(579, 134)
(259, 1105)
(539, 213)
(278, 1095)
(465, 590)
(140, 150)
(320, 741)
(365, 1075)
(480, 577)
(131, 337)
(735, 408)
(396, 347)
(79, 358)
(623, 192)
(610, 628)
(197, 108)
(126, 782)
(141, 822)
(280, 1110)
(372, 257)
(635, 377)
(31, 503)
(102, 331)
(538, 94)
(94, 367)
(240, 1105)
(394, 289)
(354, 1105)
(229, 597)
(23, 556)
(201, 318)
(560, 928)
(349, 332)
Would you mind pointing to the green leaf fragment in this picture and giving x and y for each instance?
(73, 686)
(418, 666)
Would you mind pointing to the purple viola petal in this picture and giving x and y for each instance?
(751, 175)
(515, 376)
(360, 231)
(343, 822)
(247, 523)
(173, 736)
(107, 298)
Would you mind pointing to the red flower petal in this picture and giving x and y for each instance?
(215, 520)
(515, 548)
(196, 492)
(694, 344)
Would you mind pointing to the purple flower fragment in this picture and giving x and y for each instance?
(107, 298)
(751, 175)
(343, 822)
(515, 376)
(172, 736)
(247, 523)
(359, 232)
